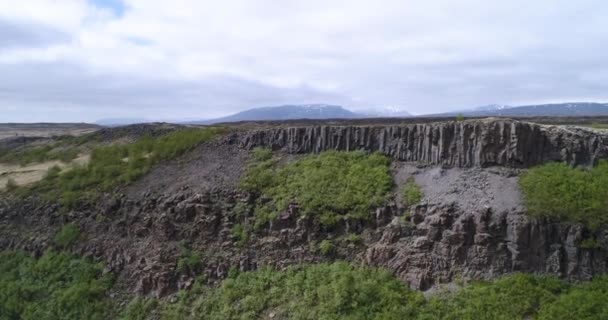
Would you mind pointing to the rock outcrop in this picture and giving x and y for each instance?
(470, 143)
(470, 225)
(440, 243)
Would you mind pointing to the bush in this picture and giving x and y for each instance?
(139, 309)
(411, 192)
(557, 191)
(240, 234)
(56, 286)
(586, 301)
(326, 247)
(353, 239)
(330, 187)
(189, 261)
(67, 236)
(517, 296)
(321, 291)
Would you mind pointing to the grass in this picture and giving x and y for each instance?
(560, 192)
(411, 193)
(115, 165)
(331, 186)
(55, 286)
(596, 125)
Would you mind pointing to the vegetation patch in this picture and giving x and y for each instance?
(59, 285)
(38, 154)
(330, 187)
(55, 286)
(321, 291)
(111, 166)
(240, 234)
(67, 236)
(411, 193)
(326, 247)
(189, 261)
(342, 291)
(560, 192)
(597, 125)
(518, 296)
(139, 309)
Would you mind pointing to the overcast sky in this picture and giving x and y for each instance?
(82, 60)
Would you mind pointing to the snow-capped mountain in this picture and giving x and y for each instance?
(384, 112)
(492, 107)
(555, 109)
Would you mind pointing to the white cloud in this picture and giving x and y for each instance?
(425, 56)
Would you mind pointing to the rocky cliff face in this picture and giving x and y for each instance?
(450, 144)
(470, 225)
(442, 242)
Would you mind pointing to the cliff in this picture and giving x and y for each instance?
(474, 143)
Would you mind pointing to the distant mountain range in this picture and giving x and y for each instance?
(324, 111)
(555, 109)
(286, 112)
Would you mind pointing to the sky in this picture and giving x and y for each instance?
(84, 60)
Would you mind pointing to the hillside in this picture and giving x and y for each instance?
(436, 219)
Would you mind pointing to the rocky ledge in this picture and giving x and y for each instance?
(471, 143)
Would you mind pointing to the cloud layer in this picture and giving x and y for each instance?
(77, 60)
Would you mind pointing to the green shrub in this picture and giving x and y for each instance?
(261, 154)
(321, 291)
(55, 286)
(557, 191)
(189, 260)
(67, 236)
(139, 309)
(353, 239)
(517, 296)
(583, 302)
(460, 117)
(240, 234)
(411, 193)
(330, 187)
(326, 247)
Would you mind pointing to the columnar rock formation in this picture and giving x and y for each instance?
(445, 242)
(450, 144)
